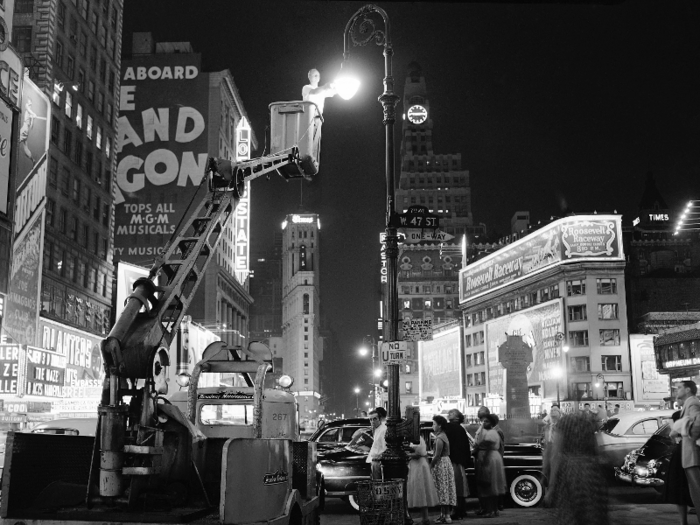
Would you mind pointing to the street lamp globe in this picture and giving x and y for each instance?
(346, 84)
(357, 390)
(363, 351)
(557, 372)
(377, 372)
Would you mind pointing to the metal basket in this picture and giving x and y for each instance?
(381, 502)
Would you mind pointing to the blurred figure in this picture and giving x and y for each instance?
(442, 471)
(688, 427)
(490, 472)
(481, 414)
(420, 487)
(550, 426)
(460, 456)
(675, 489)
(578, 487)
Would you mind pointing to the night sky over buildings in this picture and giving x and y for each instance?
(554, 107)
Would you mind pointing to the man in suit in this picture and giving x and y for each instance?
(690, 452)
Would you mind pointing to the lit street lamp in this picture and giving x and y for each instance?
(557, 372)
(560, 337)
(364, 351)
(360, 30)
(357, 401)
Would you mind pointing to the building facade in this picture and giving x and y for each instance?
(428, 271)
(302, 344)
(163, 148)
(562, 290)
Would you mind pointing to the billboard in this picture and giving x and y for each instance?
(161, 150)
(33, 133)
(590, 237)
(22, 305)
(6, 123)
(538, 327)
(440, 365)
(9, 368)
(647, 385)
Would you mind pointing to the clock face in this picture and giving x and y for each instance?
(417, 114)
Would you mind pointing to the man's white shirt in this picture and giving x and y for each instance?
(379, 444)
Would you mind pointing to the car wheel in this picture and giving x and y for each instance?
(352, 500)
(526, 490)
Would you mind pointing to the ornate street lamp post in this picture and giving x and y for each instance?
(360, 30)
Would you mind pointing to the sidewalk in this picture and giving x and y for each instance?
(649, 514)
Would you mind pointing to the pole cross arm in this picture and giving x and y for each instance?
(409, 428)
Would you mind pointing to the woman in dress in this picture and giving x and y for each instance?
(442, 471)
(675, 489)
(421, 491)
(490, 473)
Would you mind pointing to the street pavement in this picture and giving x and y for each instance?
(628, 506)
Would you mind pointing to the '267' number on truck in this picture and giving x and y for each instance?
(279, 417)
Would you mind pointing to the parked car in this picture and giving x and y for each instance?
(339, 433)
(647, 466)
(624, 432)
(76, 426)
(343, 465)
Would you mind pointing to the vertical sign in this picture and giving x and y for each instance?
(161, 150)
(22, 308)
(242, 214)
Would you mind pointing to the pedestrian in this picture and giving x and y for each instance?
(420, 486)
(377, 417)
(460, 456)
(481, 414)
(689, 426)
(490, 472)
(675, 489)
(550, 427)
(442, 471)
(577, 488)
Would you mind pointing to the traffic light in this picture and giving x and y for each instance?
(384, 380)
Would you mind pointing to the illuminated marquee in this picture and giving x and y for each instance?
(302, 219)
(242, 216)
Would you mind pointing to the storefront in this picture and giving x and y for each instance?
(677, 353)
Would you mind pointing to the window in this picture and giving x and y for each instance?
(58, 55)
(22, 39)
(67, 141)
(468, 340)
(62, 220)
(606, 286)
(50, 207)
(578, 338)
(114, 17)
(53, 172)
(409, 387)
(86, 236)
(103, 36)
(469, 360)
(100, 103)
(610, 337)
(70, 67)
(24, 6)
(583, 390)
(65, 182)
(110, 85)
(88, 162)
(76, 190)
(81, 80)
(91, 90)
(88, 130)
(611, 363)
(69, 105)
(577, 287)
(427, 304)
(614, 389)
(577, 312)
(103, 71)
(78, 157)
(97, 207)
(581, 364)
(87, 197)
(93, 21)
(82, 45)
(73, 230)
(98, 138)
(105, 214)
(79, 116)
(55, 129)
(108, 147)
(406, 304)
(108, 114)
(83, 8)
(608, 311)
(407, 369)
(60, 15)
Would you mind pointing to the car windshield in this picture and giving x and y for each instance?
(609, 425)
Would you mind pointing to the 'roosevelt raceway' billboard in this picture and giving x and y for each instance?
(590, 237)
(161, 148)
(538, 327)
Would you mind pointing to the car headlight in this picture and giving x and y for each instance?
(641, 472)
(652, 466)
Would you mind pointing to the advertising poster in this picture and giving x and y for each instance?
(9, 368)
(22, 305)
(189, 346)
(84, 373)
(33, 132)
(127, 274)
(440, 365)
(569, 239)
(46, 372)
(161, 150)
(6, 121)
(648, 384)
(538, 327)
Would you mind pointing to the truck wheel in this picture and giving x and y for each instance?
(526, 490)
(352, 500)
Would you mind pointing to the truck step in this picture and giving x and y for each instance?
(143, 449)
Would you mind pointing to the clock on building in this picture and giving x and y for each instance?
(417, 114)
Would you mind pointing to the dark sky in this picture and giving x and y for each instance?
(552, 106)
